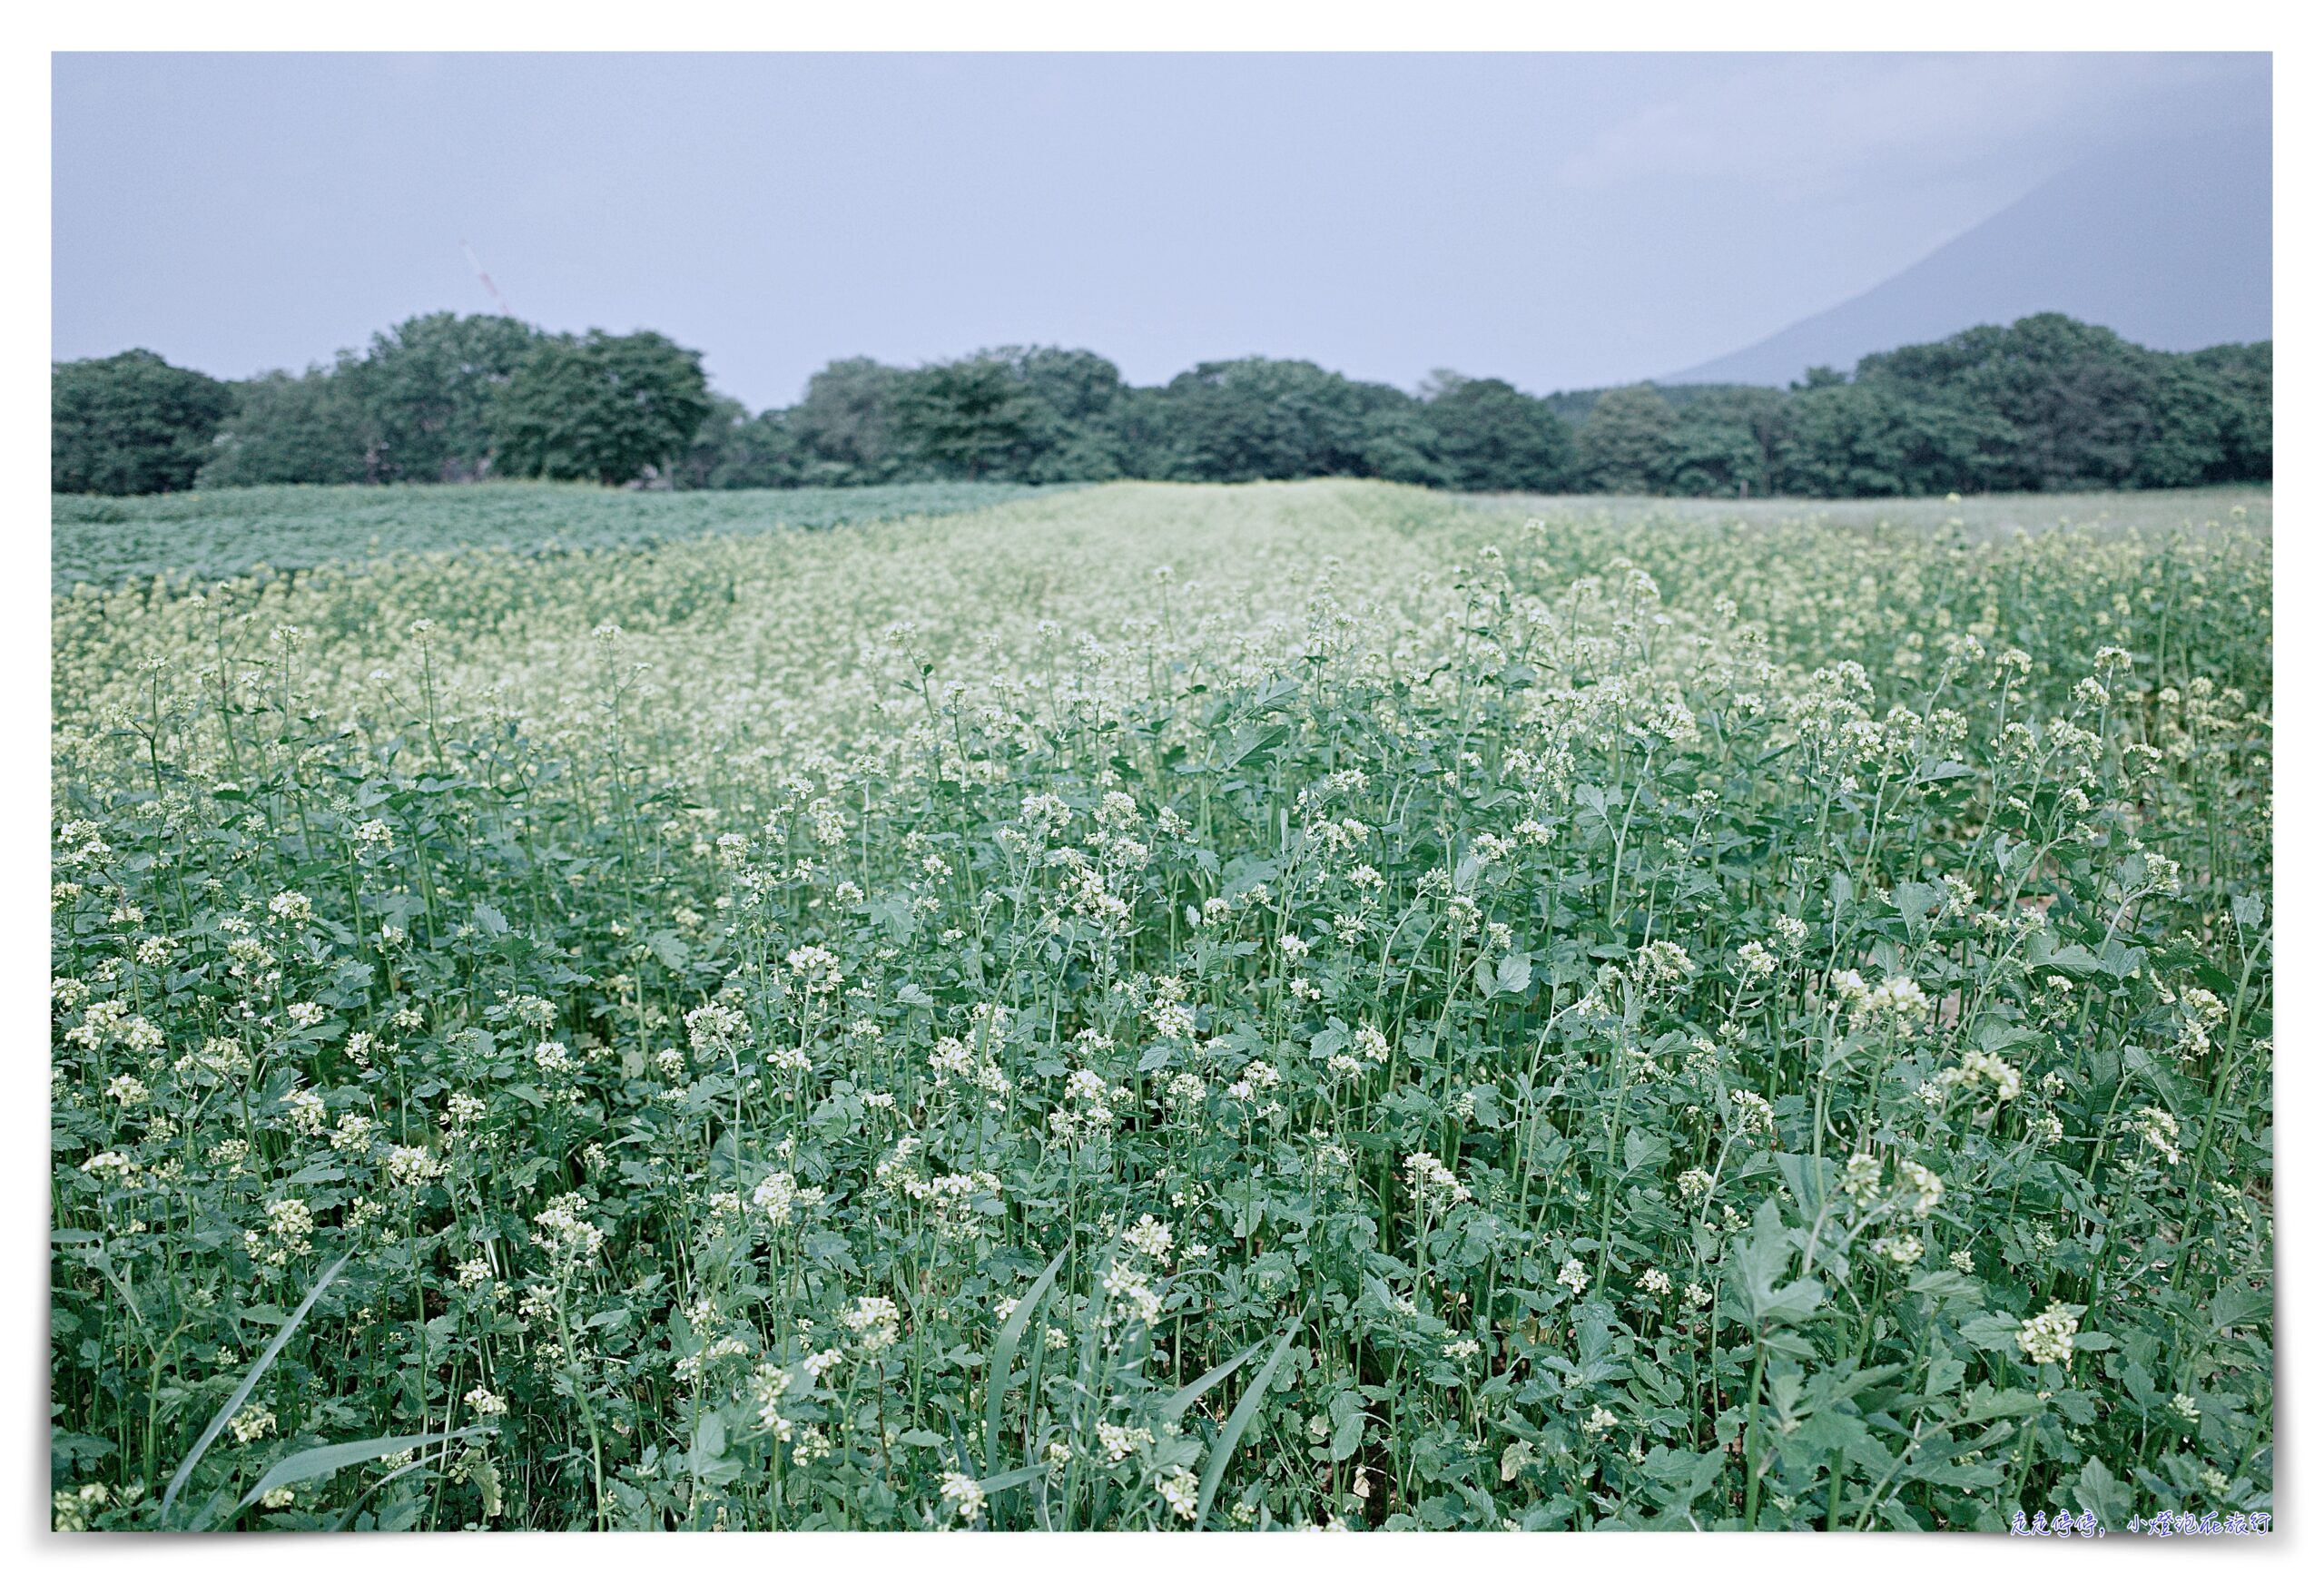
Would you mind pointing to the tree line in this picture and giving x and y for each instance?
(2047, 403)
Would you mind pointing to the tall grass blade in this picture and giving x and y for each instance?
(416, 1465)
(1177, 1406)
(249, 1381)
(1004, 1354)
(320, 1461)
(1240, 1420)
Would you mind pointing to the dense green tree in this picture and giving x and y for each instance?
(1078, 387)
(1076, 394)
(973, 417)
(733, 450)
(2184, 441)
(296, 429)
(1860, 438)
(1266, 417)
(1396, 443)
(2243, 375)
(1725, 444)
(2045, 403)
(845, 424)
(426, 387)
(604, 407)
(1144, 436)
(131, 424)
(1488, 435)
(1842, 439)
(2080, 399)
(1624, 446)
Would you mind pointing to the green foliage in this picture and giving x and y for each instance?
(611, 408)
(1486, 435)
(1266, 417)
(1041, 414)
(1399, 1017)
(427, 387)
(2075, 405)
(1727, 443)
(296, 428)
(845, 424)
(223, 533)
(1835, 440)
(2043, 404)
(970, 417)
(131, 424)
(411, 409)
(1625, 446)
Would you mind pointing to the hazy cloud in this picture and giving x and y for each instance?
(1803, 124)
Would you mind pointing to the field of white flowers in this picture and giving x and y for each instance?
(1169, 1007)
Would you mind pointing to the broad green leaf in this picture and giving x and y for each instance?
(2101, 1494)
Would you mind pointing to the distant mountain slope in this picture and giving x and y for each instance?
(2169, 245)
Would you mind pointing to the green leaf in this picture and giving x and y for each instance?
(2045, 953)
(671, 949)
(417, 1464)
(1812, 1181)
(1986, 1402)
(1516, 973)
(2239, 1305)
(2099, 1492)
(1761, 1260)
(1949, 1287)
(1992, 1332)
(1013, 1478)
(1251, 739)
(1642, 1150)
(1956, 1475)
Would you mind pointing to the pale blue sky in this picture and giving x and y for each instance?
(1561, 221)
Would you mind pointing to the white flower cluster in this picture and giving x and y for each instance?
(290, 1230)
(780, 1196)
(1896, 1003)
(1925, 1188)
(1753, 1114)
(1122, 1443)
(2048, 1336)
(1979, 1070)
(1433, 1184)
(2157, 1128)
(567, 1237)
(410, 1165)
(875, 1322)
(964, 1494)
